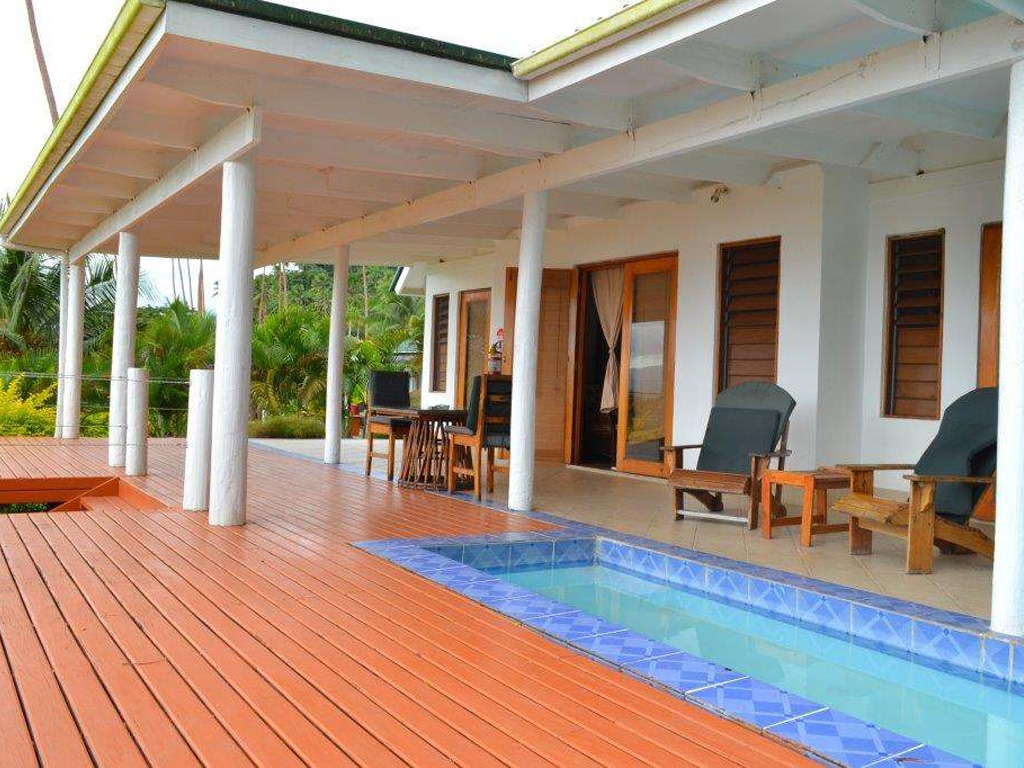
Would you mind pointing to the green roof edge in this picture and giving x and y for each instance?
(354, 30)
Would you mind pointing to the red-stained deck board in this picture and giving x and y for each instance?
(134, 636)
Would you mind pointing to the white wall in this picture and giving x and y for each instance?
(961, 202)
(834, 228)
(791, 210)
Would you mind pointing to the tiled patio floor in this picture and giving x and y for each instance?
(642, 507)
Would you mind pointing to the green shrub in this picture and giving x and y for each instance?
(294, 426)
(26, 414)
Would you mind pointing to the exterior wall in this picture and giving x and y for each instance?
(833, 227)
(792, 210)
(961, 202)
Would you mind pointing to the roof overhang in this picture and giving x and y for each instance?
(414, 151)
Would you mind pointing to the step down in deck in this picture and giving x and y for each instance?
(70, 493)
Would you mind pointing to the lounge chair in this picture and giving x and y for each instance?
(747, 428)
(946, 486)
(387, 389)
(487, 429)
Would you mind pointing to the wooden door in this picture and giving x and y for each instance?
(646, 366)
(988, 305)
(556, 311)
(474, 338)
(988, 330)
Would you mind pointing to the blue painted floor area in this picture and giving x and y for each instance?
(982, 723)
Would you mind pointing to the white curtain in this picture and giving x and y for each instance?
(606, 285)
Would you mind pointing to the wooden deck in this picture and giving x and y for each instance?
(135, 637)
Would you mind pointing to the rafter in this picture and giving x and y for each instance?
(320, 101)
(820, 148)
(236, 138)
(714, 64)
(977, 47)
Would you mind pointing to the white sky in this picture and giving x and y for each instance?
(71, 32)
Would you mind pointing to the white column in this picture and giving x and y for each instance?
(62, 331)
(336, 358)
(197, 441)
(123, 354)
(524, 354)
(1008, 568)
(71, 407)
(137, 418)
(233, 360)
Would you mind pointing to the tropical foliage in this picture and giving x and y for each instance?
(289, 349)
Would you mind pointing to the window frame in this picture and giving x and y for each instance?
(889, 365)
(721, 376)
(435, 359)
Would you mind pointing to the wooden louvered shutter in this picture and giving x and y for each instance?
(914, 339)
(748, 312)
(439, 345)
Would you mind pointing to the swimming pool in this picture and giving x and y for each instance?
(843, 674)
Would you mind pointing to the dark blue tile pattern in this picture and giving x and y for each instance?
(755, 702)
(844, 739)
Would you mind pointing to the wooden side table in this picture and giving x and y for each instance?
(813, 517)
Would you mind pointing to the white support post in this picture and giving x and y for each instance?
(123, 353)
(524, 355)
(196, 496)
(62, 331)
(137, 428)
(1008, 567)
(233, 362)
(71, 402)
(336, 358)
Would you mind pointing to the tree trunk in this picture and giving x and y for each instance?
(41, 61)
(366, 305)
(201, 297)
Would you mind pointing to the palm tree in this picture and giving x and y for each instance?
(289, 361)
(41, 60)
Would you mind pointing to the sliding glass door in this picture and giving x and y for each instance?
(645, 376)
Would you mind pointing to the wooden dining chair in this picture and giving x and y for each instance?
(487, 429)
(387, 389)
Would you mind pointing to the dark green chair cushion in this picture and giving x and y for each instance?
(733, 435)
(389, 389)
(762, 395)
(965, 445)
(496, 437)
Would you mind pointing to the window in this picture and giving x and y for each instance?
(439, 345)
(913, 355)
(748, 312)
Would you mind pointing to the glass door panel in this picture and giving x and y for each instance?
(474, 333)
(645, 389)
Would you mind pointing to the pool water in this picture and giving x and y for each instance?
(964, 716)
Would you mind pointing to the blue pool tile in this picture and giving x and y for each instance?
(824, 611)
(460, 574)
(683, 671)
(755, 702)
(531, 607)
(773, 597)
(573, 626)
(950, 646)
(489, 592)
(622, 647)
(843, 738)
(492, 556)
(649, 563)
(613, 553)
(883, 627)
(995, 657)
(574, 551)
(526, 554)
(925, 756)
(1017, 663)
(422, 561)
(451, 551)
(685, 573)
(728, 584)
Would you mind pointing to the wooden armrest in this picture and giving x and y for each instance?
(950, 479)
(773, 454)
(873, 467)
(667, 448)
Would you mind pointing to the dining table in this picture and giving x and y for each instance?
(426, 447)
